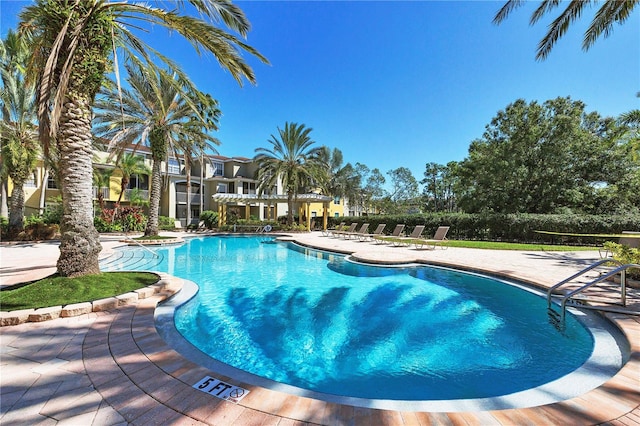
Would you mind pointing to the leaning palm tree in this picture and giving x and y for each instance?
(611, 12)
(73, 44)
(157, 114)
(19, 141)
(101, 179)
(292, 160)
(129, 164)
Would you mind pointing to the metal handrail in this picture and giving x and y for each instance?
(622, 269)
(127, 237)
(572, 277)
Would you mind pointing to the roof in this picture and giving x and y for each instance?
(278, 198)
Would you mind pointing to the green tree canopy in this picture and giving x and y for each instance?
(545, 158)
(293, 160)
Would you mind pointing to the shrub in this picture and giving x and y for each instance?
(53, 211)
(509, 227)
(625, 255)
(210, 218)
(166, 223)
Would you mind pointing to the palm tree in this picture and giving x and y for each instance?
(611, 12)
(292, 159)
(102, 179)
(341, 180)
(19, 141)
(129, 164)
(158, 114)
(73, 42)
(14, 53)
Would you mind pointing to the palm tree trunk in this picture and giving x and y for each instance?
(4, 207)
(43, 191)
(80, 243)
(187, 169)
(290, 205)
(154, 199)
(16, 209)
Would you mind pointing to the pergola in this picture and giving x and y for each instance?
(303, 200)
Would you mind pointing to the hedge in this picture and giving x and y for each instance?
(508, 227)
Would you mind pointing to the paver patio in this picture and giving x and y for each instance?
(111, 368)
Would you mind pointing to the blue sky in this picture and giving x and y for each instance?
(400, 83)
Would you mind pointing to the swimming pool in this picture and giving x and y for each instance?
(317, 322)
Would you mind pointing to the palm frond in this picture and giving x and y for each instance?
(612, 11)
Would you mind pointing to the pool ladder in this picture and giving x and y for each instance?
(572, 296)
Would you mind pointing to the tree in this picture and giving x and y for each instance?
(129, 164)
(158, 114)
(404, 188)
(102, 179)
(610, 13)
(540, 158)
(292, 160)
(14, 54)
(72, 44)
(19, 141)
(340, 180)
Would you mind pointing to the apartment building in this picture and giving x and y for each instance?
(223, 184)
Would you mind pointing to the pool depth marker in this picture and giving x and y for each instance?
(220, 389)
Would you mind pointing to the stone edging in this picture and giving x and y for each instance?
(167, 241)
(166, 286)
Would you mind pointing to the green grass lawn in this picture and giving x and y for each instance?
(55, 290)
(491, 245)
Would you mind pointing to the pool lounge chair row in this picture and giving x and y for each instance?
(396, 238)
(416, 238)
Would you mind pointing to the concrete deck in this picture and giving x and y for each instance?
(112, 368)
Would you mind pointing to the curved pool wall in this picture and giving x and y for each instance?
(606, 359)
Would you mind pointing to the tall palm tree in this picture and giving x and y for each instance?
(341, 180)
(73, 42)
(19, 141)
(292, 160)
(610, 13)
(158, 114)
(14, 54)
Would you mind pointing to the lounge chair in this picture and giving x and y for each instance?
(363, 230)
(327, 232)
(351, 229)
(397, 232)
(406, 241)
(377, 232)
(438, 237)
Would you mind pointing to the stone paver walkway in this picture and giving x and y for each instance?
(113, 368)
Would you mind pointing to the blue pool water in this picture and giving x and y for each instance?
(316, 321)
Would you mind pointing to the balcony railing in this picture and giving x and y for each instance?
(103, 190)
(181, 197)
(143, 193)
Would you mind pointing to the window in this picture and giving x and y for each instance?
(31, 181)
(173, 166)
(314, 214)
(336, 215)
(248, 187)
(52, 183)
(222, 188)
(139, 181)
(336, 200)
(218, 168)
